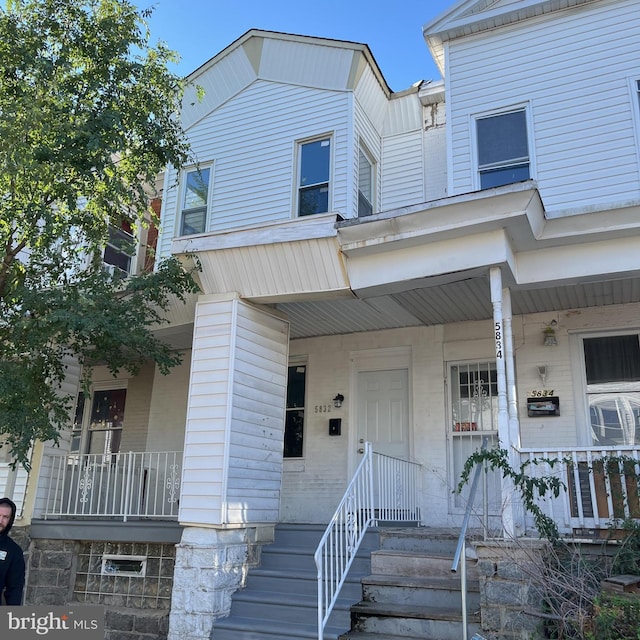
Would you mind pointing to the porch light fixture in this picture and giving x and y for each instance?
(338, 400)
(542, 373)
(549, 333)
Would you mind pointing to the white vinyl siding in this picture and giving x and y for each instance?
(368, 137)
(402, 170)
(253, 138)
(584, 147)
(235, 417)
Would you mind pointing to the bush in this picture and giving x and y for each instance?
(615, 618)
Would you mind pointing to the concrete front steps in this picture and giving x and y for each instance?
(280, 598)
(411, 592)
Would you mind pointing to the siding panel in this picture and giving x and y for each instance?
(254, 165)
(581, 108)
(235, 417)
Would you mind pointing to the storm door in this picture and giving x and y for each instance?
(473, 416)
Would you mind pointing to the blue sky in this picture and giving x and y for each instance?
(198, 29)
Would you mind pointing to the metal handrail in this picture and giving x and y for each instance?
(462, 543)
(354, 515)
(383, 488)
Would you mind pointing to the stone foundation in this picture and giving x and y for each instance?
(60, 572)
(508, 595)
(211, 564)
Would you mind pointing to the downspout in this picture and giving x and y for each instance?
(495, 276)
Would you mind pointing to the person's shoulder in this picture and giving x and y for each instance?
(8, 543)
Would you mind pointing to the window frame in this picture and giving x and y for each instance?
(112, 268)
(634, 93)
(329, 137)
(293, 364)
(199, 168)
(368, 156)
(81, 431)
(582, 389)
(480, 170)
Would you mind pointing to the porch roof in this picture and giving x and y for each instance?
(426, 264)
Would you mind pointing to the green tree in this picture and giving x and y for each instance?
(87, 121)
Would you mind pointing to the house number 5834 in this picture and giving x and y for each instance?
(499, 346)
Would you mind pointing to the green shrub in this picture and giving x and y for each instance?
(615, 618)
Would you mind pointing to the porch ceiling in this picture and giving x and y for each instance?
(454, 302)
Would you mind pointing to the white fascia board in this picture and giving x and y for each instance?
(457, 217)
(605, 260)
(309, 227)
(441, 260)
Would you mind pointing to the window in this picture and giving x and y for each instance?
(119, 252)
(313, 182)
(195, 199)
(503, 149)
(612, 371)
(365, 183)
(294, 420)
(103, 424)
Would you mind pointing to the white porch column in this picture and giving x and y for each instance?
(503, 412)
(230, 490)
(512, 396)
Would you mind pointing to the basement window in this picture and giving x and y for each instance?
(124, 565)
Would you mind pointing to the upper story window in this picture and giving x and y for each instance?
(195, 200)
(612, 372)
(314, 162)
(503, 148)
(365, 183)
(119, 252)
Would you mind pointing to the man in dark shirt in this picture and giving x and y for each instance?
(12, 567)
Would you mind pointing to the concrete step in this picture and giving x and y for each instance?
(281, 596)
(363, 635)
(303, 583)
(411, 621)
(284, 607)
(411, 563)
(299, 558)
(254, 629)
(435, 591)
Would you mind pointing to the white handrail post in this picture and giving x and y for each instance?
(127, 493)
(368, 449)
(463, 580)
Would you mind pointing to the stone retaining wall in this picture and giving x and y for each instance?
(508, 593)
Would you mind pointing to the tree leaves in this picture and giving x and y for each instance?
(87, 120)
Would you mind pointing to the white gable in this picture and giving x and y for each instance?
(304, 61)
(469, 17)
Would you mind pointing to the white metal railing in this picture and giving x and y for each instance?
(119, 485)
(599, 485)
(383, 489)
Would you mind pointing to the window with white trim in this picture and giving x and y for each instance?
(294, 420)
(502, 148)
(366, 181)
(314, 170)
(612, 374)
(119, 251)
(195, 201)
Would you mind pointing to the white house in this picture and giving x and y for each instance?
(417, 270)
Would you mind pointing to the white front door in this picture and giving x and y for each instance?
(383, 412)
